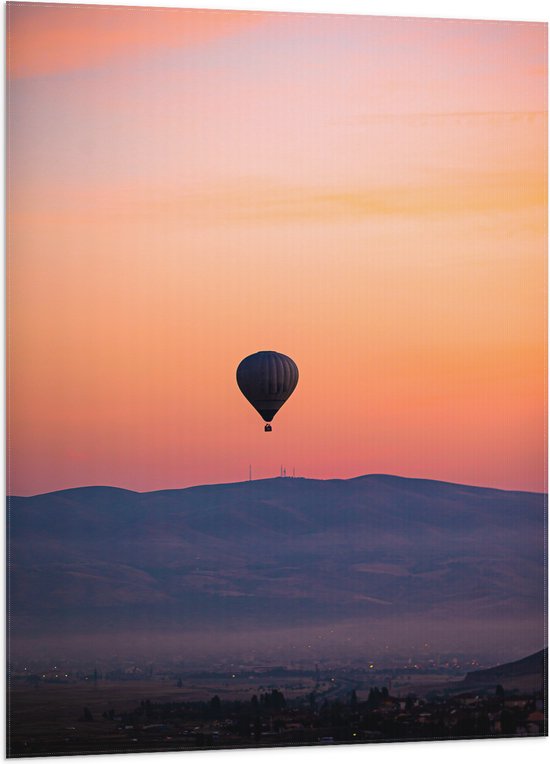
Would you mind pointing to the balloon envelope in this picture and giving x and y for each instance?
(267, 380)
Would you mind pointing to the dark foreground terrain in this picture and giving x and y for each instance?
(206, 711)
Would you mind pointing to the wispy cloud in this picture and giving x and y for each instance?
(452, 116)
(45, 39)
(263, 200)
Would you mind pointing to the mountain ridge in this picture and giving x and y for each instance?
(366, 476)
(393, 557)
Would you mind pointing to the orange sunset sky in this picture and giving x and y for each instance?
(366, 195)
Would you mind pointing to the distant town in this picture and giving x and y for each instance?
(128, 705)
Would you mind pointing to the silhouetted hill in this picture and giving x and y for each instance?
(400, 558)
(524, 674)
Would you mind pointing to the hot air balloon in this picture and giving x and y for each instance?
(267, 380)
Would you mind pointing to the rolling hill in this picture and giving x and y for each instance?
(525, 675)
(378, 558)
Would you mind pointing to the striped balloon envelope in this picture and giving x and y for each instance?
(267, 380)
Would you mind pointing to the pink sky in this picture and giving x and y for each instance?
(366, 195)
